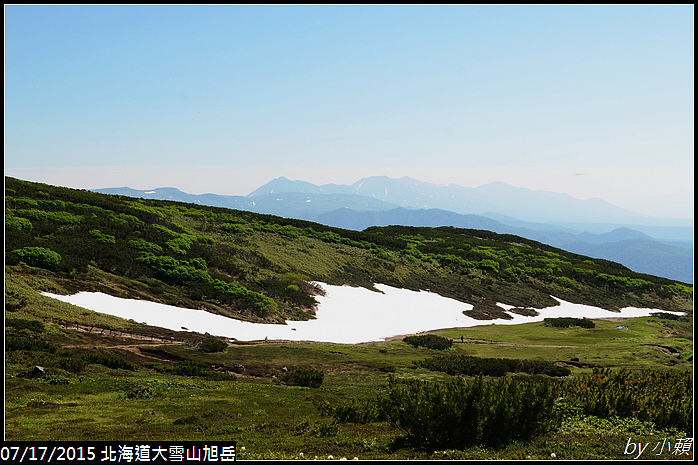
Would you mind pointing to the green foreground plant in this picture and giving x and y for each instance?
(306, 377)
(663, 397)
(430, 341)
(461, 413)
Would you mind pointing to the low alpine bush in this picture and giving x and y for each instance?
(306, 377)
(472, 366)
(430, 341)
(461, 413)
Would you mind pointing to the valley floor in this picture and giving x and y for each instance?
(273, 421)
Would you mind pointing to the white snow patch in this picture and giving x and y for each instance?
(344, 315)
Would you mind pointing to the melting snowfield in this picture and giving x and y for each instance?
(345, 315)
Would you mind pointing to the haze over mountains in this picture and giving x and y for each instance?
(593, 227)
(496, 197)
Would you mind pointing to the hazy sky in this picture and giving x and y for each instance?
(594, 101)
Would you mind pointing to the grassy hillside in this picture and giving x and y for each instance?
(260, 267)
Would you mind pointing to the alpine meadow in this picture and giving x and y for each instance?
(563, 388)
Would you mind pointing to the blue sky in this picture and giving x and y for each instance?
(594, 101)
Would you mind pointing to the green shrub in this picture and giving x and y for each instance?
(199, 264)
(211, 344)
(513, 271)
(12, 223)
(566, 282)
(668, 316)
(31, 344)
(489, 265)
(431, 341)
(233, 228)
(181, 244)
(38, 256)
(191, 368)
(168, 232)
(144, 246)
(472, 366)
(679, 289)
(662, 397)
(35, 326)
(462, 413)
(354, 411)
(566, 322)
(177, 271)
(54, 217)
(102, 238)
(306, 377)
(108, 360)
(259, 304)
(68, 363)
(25, 202)
(195, 270)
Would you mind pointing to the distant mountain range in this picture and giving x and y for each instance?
(593, 227)
(496, 197)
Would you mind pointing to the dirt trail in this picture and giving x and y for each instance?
(129, 347)
(151, 341)
(114, 334)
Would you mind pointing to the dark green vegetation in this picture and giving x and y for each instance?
(306, 377)
(465, 412)
(662, 397)
(462, 413)
(430, 341)
(471, 366)
(211, 344)
(106, 378)
(567, 322)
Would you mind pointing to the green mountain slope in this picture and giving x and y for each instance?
(262, 268)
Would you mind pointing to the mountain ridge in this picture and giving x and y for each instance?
(347, 207)
(632, 248)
